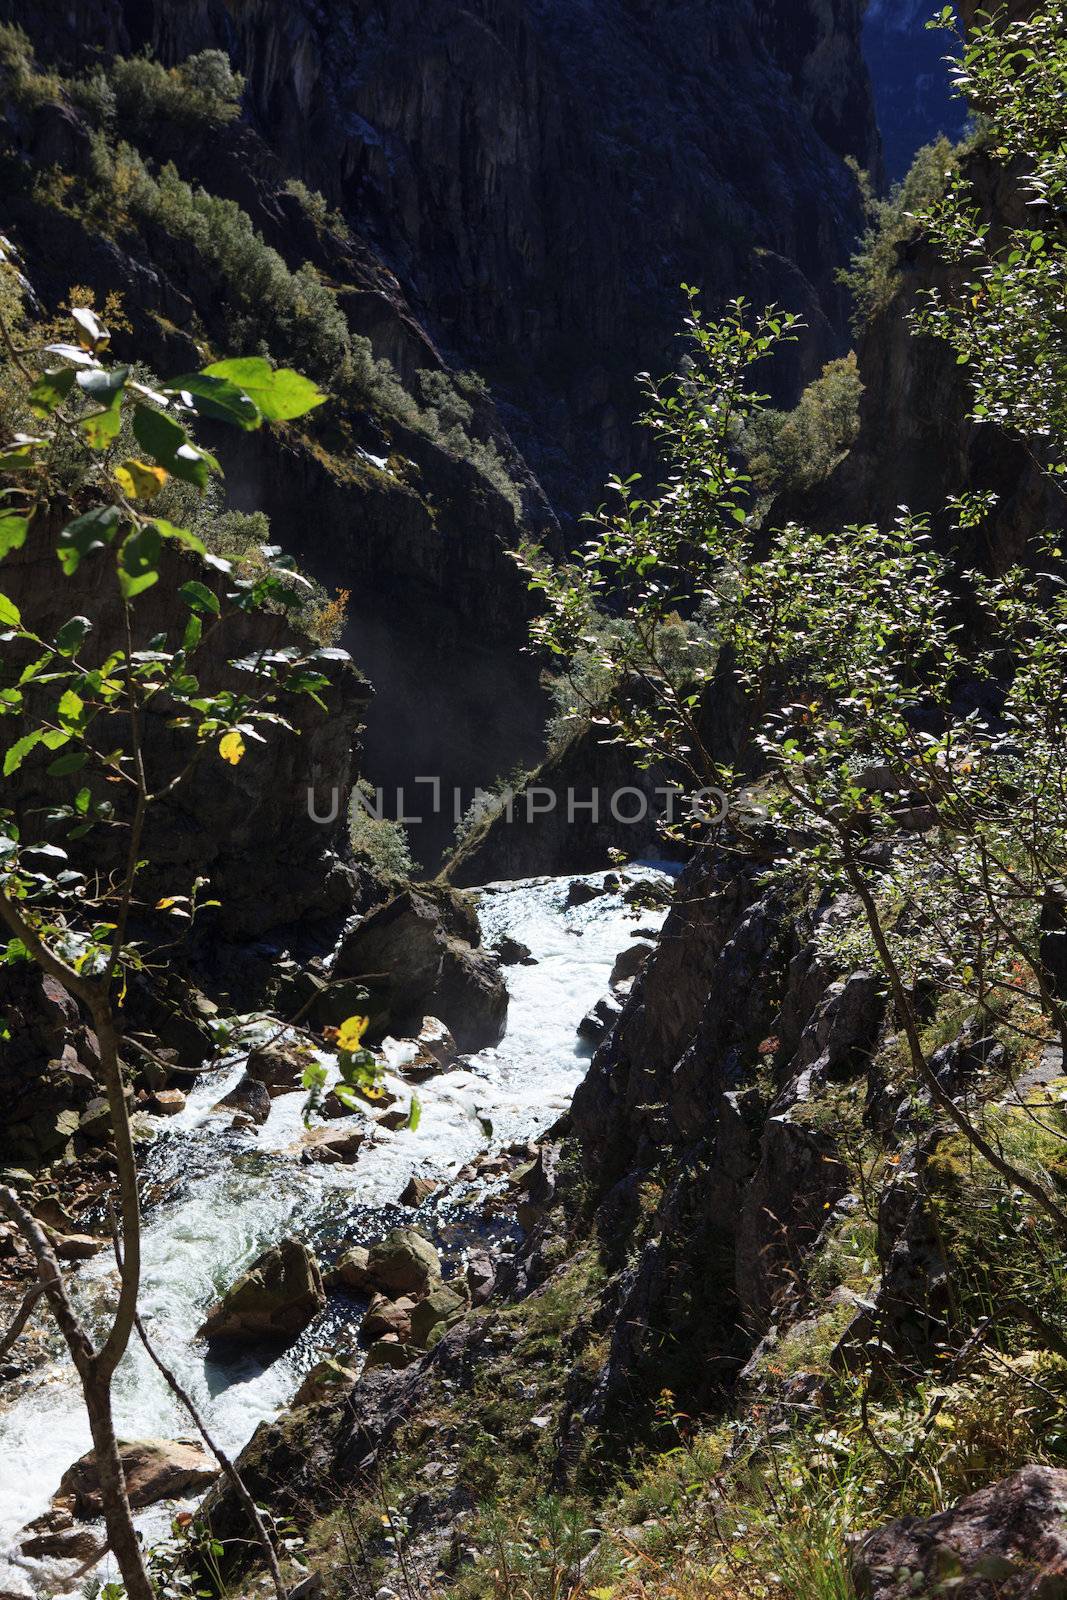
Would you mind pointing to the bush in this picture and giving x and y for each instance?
(873, 275)
(797, 449)
(203, 89)
(378, 841)
(27, 86)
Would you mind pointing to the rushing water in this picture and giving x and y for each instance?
(225, 1196)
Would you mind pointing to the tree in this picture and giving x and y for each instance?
(106, 444)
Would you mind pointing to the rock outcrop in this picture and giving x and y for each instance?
(1007, 1542)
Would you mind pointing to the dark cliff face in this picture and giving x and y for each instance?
(526, 184)
(911, 81)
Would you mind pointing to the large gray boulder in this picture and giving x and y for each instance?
(418, 956)
(404, 1263)
(271, 1303)
(1007, 1542)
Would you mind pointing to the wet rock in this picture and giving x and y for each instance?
(166, 1102)
(393, 1121)
(417, 1190)
(328, 1379)
(385, 1316)
(436, 1042)
(352, 1271)
(155, 1469)
(390, 1353)
(424, 941)
(598, 1023)
(404, 1262)
(331, 1146)
(628, 962)
(249, 1097)
(272, 1302)
(481, 1276)
(1007, 1542)
(513, 953)
(278, 1067)
(77, 1246)
(539, 1185)
(580, 893)
(444, 1306)
(56, 1536)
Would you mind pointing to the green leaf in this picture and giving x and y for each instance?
(85, 534)
(414, 1113)
(139, 563)
(216, 398)
(280, 395)
(18, 752)
(167, 442)
(72, 635)
(13, 530)
(50, 390)
(73, 761)
(71, 710)
(199, 597)
(10, 615)
(168, 530)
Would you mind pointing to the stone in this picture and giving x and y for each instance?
(1007, 1542)
(481, 1276)
(55, 1535)
(404, 1262)
(330, 1378)
(166, 1102)
(389, 1353)
(628, 962)
(539, 1185)
(351, 1271)
(513, 953)
(272, 1302)
(278, 1067)
(77, 1246)
(417, 1190)
(598, 1023)
(393, 1121)
(435, 1040)
(442, 1308)
(579, 893)
(331, 1145)
(155, 1469)
(249, 1097)
(385, 1316)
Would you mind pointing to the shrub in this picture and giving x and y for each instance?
(794, 450)
(203, 89)
(873, 275)
(377, 840)
(27, 86)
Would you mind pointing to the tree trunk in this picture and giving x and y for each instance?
(118, 1519)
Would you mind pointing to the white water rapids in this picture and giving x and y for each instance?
(226, 1196)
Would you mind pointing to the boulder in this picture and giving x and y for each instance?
(580, 893)
(1007, 1542)
(155, 1469)
(390, 1353)
(404, 1262)
(77, 1246)
(58, 1537)
(331, 1145)
(389, 1316)
(328, 1379)
(417, 957)
(539, 1184)
(481, 1276)
(417, 1190)
(598, 1023)
(513, 953)
(278, 1067)
(351, 1272)
(436, 1042)
(166, 1102)
(441, 1309)
(628, 962)
(272, 1302)
(249, 1098)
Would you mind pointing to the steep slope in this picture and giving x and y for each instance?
(519, 188)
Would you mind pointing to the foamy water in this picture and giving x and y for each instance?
(230, 1195)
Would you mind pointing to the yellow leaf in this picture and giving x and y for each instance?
(167, 901)
(140, 480)
(351, 1032)
(231, 748)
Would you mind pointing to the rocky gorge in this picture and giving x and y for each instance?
(574, 1223)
